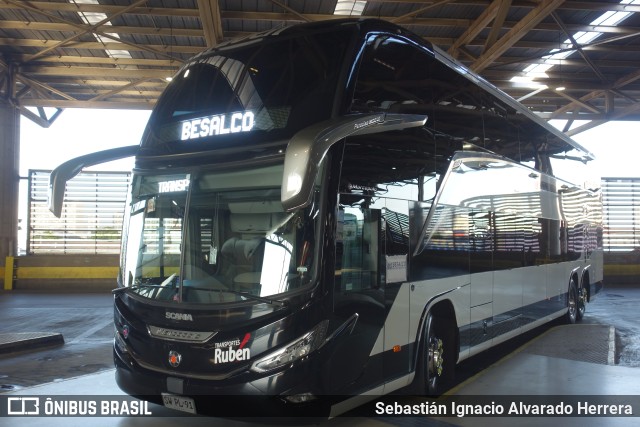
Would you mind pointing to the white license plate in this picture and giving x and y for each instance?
(179, 403)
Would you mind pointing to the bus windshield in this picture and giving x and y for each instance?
(216, 237)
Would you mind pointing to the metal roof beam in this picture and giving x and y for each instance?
(516, 33)
(614, 116)
(68, 27)
(211, 21)
(101, 8)
(476, 27)
(291, 10)
(498, 22)
(122, 89)
(621, 82)
(87, 28)
(399, 19)
(41, 118)
(577, 47)
(76, 27)
(34, 70)
(188, 50)
(115, 105)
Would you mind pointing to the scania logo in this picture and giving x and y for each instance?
(174, 358)
(178, 316)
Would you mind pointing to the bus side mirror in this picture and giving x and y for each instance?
(63, 173)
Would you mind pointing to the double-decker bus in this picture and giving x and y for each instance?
(334, 211)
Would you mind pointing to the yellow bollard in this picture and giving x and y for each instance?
(8, 273)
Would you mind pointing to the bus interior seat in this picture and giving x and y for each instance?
(243, 252)
(251, 224)
(240, 256)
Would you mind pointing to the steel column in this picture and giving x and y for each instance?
(9, 177)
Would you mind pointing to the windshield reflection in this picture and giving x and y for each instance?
(216, 238)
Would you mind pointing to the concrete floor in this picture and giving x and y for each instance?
(588, 362)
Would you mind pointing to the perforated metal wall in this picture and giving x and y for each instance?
(91, 220)
(621, 198)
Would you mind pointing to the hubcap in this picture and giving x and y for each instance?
(573, 304)
(435, 356)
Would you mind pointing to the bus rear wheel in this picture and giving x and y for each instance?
(582, 301)
(572, 303)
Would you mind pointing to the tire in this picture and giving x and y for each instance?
(582, 302)
(572, 303)
(435, 370)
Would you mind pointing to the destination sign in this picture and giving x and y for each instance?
(176, 185)
(220, 124)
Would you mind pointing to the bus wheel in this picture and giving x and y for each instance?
(572, 303)
(436, 357)
(582, 302)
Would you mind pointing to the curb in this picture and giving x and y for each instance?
(22, 341)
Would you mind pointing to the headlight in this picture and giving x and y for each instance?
(293, 351)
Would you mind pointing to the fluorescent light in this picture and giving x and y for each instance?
(349, 7)
(92, 18)
(581, 37)
(527, 82)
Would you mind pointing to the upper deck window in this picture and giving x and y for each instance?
(268, 89)
(399, 76)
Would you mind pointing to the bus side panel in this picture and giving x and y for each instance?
(534, 293)
(596, 273)
(481, 311)
(397, 340)
(558, 278)
(507, 301)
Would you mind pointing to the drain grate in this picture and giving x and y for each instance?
(563, 342)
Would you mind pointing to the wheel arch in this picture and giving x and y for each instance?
(585, 282)
(573, 313)
(575, 276)
(443, 309)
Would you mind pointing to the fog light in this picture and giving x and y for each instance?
(120, 343)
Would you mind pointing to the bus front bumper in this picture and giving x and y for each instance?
(263, 397)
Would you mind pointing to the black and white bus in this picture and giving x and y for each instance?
(330, 212)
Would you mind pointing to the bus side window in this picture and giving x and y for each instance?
(443, 249)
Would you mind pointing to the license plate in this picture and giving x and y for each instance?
(179, 403)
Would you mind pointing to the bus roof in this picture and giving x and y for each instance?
(534, 135)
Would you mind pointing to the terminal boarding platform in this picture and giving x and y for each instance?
(563, 360)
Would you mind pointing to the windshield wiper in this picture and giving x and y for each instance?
(248, 295)
(271, 301)
(164, 284)
(118, 291)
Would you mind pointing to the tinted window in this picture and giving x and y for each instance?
(270, 89)
(398, 76)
